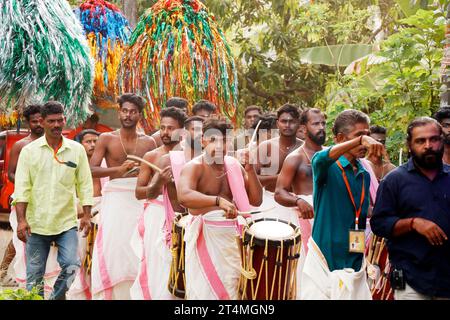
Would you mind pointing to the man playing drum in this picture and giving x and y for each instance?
(148, 238)
(114, 265)
(208, 186)
(157, 239)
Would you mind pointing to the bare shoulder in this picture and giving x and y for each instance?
(164, 161)
(295, 156)
(147, 140)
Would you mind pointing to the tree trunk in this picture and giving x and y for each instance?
(130, 11)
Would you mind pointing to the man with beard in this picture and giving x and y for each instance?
(32, 115)
(213, 187)
(296, 172)
(412, 212)
(51, 170)
(111, 278)
(443, 117)
(154, 234)
(341, 201)
(176, 102)
(270, 158)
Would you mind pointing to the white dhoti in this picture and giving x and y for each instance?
(319, 283)
(81, 286)
(148, 242)
(213, 262)
(52, 268)
(114, 264)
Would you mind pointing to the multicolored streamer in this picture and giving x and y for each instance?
(177, 49)
(43, 56)
(107, 32)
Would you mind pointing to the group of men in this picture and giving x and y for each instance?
(196, 165)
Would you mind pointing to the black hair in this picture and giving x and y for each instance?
(177, 102)
(135, 99)
(442, 113)
(51, 107)
(304, 114)
(192, 119)
(30, 110)
(217, 122)
(419, 122)
(252, 108)
(288, 108)
(347, 119)
(81, 135)
(204, 105)
(378, 129)
(174, 113)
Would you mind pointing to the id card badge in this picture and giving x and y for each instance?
(357, 241)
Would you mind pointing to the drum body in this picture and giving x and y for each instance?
(177, 277)
(270, 251)
(90, 241)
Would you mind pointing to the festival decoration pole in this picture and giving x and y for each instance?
(177, 49)
(43, 56)
(107, 32)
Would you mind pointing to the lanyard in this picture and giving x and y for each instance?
(67, 163)
(350, 194)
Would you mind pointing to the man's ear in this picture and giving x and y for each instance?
(302, 128)
(339, 138)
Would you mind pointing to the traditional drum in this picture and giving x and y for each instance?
(90, 240)
(378, 269)
(177, 277)
(270, 251)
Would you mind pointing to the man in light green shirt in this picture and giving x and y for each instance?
(51, 172)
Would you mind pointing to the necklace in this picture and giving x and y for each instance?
(304, 151)
(123, 147)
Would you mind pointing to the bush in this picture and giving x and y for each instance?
(20, 294)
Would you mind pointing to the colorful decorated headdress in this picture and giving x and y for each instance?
(107, 32)
(177, 49)
(43, 56)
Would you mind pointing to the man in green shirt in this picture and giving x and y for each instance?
(341, 200)
(51, 172)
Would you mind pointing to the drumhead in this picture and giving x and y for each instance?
(272, 230)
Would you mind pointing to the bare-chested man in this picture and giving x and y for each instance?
(205, 189)
(273, 152)
(32, 115)
(154, 232)
(271, 155)
(176, 102)
(111, 277)
(296, 173)
(172, 122)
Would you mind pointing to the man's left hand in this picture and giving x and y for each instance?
(85, 224)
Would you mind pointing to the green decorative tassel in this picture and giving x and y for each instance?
(44, 56)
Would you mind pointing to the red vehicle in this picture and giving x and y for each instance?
(7, 140)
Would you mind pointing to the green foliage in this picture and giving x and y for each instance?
(20, 294)
(403, 87)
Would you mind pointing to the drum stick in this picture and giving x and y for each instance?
(253, 139)
(151, 165)
(254, 212)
